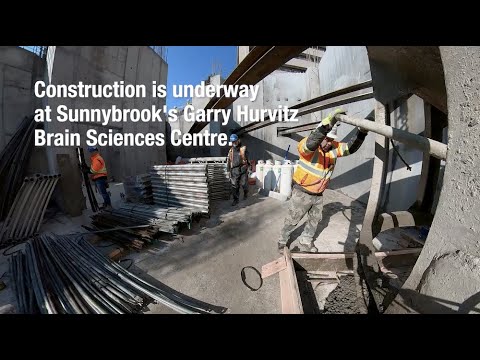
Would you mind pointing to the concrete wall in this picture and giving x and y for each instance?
(343, 66)
(19, 70)
(277, 89)
(446, 277)
(401, 183)
(105, 65)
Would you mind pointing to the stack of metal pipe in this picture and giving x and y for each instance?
(181, 186)
(158, 219)
(218, 181)
(13, 163)
(28, 209)
(66, 275)
(138, 189)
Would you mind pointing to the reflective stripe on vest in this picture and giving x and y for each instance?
(314, 174)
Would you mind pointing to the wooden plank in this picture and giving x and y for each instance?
(273, 267)
(291, 301)
(116, 254)
(349, 255)
(344, 261)
(285, 292)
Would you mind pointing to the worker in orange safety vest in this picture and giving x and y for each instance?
(98, 173)
(318, 155)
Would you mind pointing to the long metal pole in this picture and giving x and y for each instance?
(434, 148)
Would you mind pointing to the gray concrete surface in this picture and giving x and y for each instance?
(446, 277)
(205, 262)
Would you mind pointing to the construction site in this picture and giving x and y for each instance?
(330, 180)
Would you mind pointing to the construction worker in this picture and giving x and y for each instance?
(98, 173)
(318, 155)
(237, 166)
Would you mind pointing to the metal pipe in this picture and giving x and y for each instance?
(434, 148)
(34, 202)
(108, 267)
(327, 100)
(88, 271)
(12, 208)
(168, 168)
(86, 259)
(153, 215)
(170, 174)
(208, 159)
(39, 289)
(19, 208)
(196, 185)
(174, 179)
(155, 293)
(54, 280)
(49, 195)
(187, 192)
(89, 303)
(177, 198)
(96, 298)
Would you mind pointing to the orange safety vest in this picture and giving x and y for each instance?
(242, 155)
(97, 167)
(315, 168)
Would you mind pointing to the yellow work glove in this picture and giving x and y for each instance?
(330, 120)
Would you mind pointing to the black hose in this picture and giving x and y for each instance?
(242, 273)
(409, 168)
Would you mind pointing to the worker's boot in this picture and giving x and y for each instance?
(281, 244)
(245, 195)
(235, 202)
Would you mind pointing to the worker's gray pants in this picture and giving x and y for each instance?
(237, 181)
(302, 203)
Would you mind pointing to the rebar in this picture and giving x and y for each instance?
(28, 209)
(63, 274)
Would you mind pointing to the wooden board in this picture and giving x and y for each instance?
(344, 261)
(116, 254)
(273, 267)
(290, 294)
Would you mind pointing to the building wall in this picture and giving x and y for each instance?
(277, 89)
(19, 70)
(343, 66)
(105, 65)
(446, 278)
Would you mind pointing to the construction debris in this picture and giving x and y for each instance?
(62, 275)
(13, 162)
(158, 219)
(26, 214)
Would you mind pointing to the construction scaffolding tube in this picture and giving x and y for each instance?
(434, 148)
